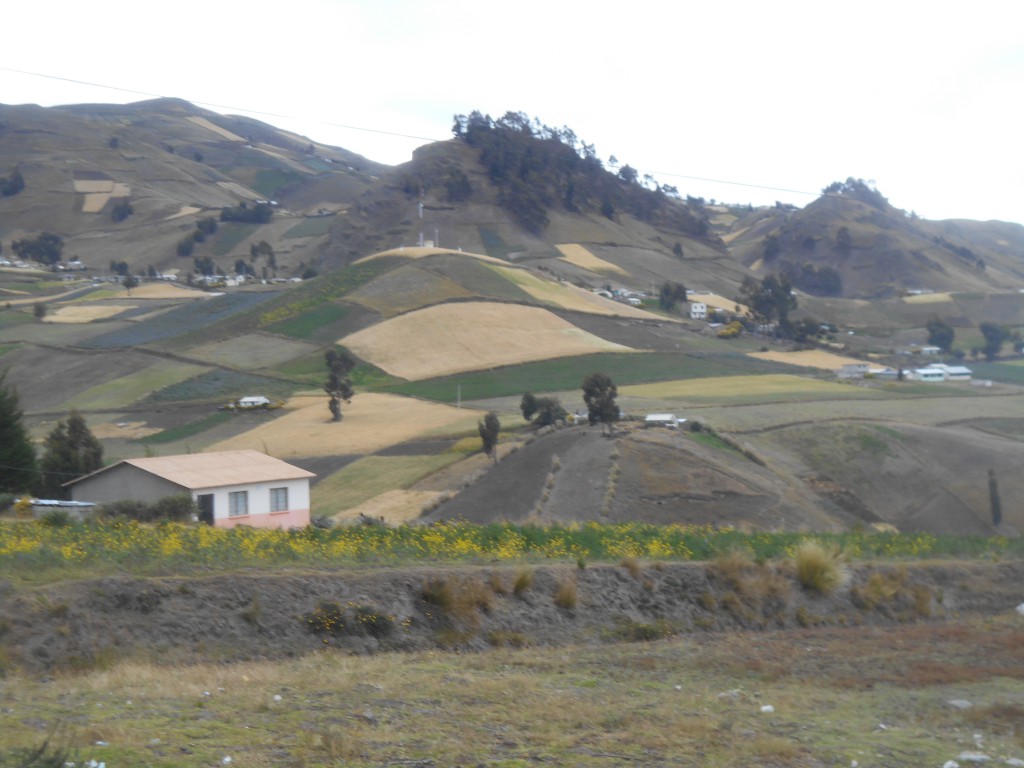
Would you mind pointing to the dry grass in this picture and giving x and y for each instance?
(569, 296)
(84, 313)
(579, 256)
(417, 252)
(566, 596)
(392, 507)
(671, 702)
(819, 568)
(809, 358)
(371, 422)
(451, 338)
(222, 132)
(928, 298)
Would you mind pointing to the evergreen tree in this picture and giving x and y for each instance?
(17, 455)
(71, 451)
(528, 405)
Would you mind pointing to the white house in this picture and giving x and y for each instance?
(698, 310)
(230, 487)
(929, 374)
(954, 372)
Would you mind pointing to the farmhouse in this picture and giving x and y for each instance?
(231, 487)
(698, 310)
(662, 420)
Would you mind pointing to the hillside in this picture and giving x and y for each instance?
(876, 250)
(467, 277)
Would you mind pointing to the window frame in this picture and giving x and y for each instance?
(275, 496)
(238, 500)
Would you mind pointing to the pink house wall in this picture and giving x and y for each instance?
(292, 518)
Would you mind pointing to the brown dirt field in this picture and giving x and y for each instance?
(371, 422)
(404, 289)
(252, 351)
(810, 358)
(93, 186)
(122, 430)
(451, 338)
(720, 302)
(186, 210)
(928, 298)
(94, 202)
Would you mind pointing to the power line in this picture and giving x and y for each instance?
(378, 131)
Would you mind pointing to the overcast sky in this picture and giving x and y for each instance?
(924, 98)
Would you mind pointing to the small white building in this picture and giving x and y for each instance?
(954, 372)
(698, 310)
(929, 374)
(230, 487)
(853, 371)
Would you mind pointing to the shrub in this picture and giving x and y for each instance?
(631, 565)
(373, 622)
(507, 638)
(524, 580)
(327, 618)
(438, 592)
(565, 595)
(819, 568)
(637, 631)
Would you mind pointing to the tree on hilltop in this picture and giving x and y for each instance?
(599, 393)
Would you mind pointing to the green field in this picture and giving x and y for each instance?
(1010, 372)
(568, 373)
(305, 325)
(373, 475)
(125, 390)
(311, 227)
(268, 181)
(191, 429)
(222, 385)
(229, 234)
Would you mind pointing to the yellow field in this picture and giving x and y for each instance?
(238, 189)
(371, 422)
(578, 256)
(730, 386)
(202, 121)
(811, 358)
(78, 313)
(928, 298)
(167, 291)
(94, 202)
(88, 186)
(451, 338)
(417, 252)
(569, 296)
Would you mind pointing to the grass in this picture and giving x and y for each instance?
(311, 227)
(191, 429)
(305, 325)
(135, 386)
(819, 568)
(371, 476)
(670, 702)
(268, 181)
(568, 373)
(222, 385)
(229, 234)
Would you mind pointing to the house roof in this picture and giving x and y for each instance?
(196, 471)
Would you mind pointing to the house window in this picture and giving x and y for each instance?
(278, 499)
(238, 503)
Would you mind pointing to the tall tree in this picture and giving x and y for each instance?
(770, 301)
(940, 334)
(995, 505)
(599, 393)
(528, 405)
(71, 451)
(995, 336)
(338, 385)
(489, 429)
(670, 295)
(17, 455)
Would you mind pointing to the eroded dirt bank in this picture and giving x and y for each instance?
(234, 617)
